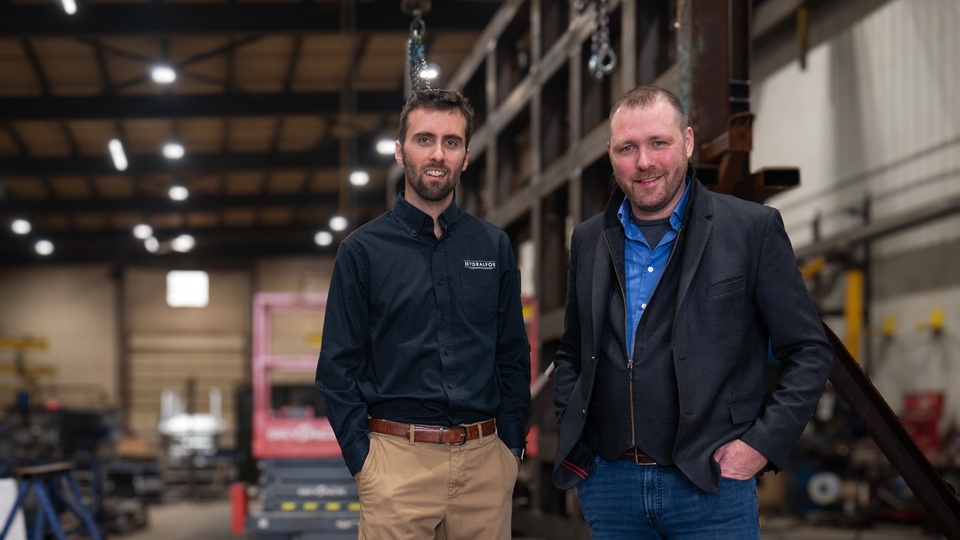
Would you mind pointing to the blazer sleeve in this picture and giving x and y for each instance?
(566, 360)
(798, 341)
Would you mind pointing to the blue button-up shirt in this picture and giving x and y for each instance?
(644, 264)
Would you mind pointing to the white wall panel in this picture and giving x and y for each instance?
(876, 116)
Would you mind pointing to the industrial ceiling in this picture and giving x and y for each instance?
(274, 104)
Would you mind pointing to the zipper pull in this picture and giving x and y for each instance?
(629, 369)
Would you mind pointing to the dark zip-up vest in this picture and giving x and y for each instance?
(655, 399)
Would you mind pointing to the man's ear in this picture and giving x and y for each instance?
(688, 141)
(397, 154)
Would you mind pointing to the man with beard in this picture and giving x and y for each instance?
(425, 363)
(674, 295)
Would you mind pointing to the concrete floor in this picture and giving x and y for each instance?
(210, 520)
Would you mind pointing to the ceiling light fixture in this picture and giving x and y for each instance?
(178, 193)
(430, 71)
(163, 74)
(385, 147)
(143, 231)
(152, 244)
(70, 6)
(20, 226)
(183, 243)
(338, 223)
(173, 150)
(359, 178)
(323, 238)
(43, 247)
(116, 154)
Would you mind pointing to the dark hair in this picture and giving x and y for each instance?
(437, 100)
(643, 96)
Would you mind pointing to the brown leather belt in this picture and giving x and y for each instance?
(455, 435)
(636, 456)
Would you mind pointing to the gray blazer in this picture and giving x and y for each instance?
(740, 290)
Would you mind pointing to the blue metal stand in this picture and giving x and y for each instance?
(39, 478)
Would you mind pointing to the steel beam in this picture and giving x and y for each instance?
(322, 158)
(163, 18)
(197, 203)
(205, 105)
(853, 385)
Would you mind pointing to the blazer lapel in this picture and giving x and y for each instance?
(602, 272)
(699, 229)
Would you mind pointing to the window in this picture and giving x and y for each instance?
(188, 288)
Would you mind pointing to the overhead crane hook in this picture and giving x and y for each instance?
(603, 58)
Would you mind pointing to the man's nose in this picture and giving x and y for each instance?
(437, 154)
(644, 160)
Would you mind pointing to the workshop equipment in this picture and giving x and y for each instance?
(46, 482)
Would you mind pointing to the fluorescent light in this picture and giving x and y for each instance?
(70, 6)
(20, 226)
(117, 155)
(43, 247)
(143, 231)
(173, 150)
(338, 223)
(323, 238)
(430, 72)
(359, 178)
(152, 244)
(163, 74)
(178, 193)
(386, 147)
(183, 243)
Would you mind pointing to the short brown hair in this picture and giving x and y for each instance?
(437, 100)
(649, 94)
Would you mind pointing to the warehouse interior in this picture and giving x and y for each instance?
(175, 177)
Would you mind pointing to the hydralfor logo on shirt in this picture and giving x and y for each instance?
(480, 265)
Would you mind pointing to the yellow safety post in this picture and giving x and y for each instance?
(853, 312)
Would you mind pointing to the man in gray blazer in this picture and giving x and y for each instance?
(675, 296)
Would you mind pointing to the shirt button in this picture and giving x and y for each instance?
(643, 306)
(451, 385)
(649, 269)
(440, 282)
(443, 317)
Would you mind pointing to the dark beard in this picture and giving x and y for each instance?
(432, 192)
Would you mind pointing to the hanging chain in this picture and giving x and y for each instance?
(415, 53)
(603, 59)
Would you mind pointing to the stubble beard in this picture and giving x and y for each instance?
(661, 198)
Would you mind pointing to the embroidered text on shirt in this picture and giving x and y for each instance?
(480, 265)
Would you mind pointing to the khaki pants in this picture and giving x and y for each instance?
(424, 491)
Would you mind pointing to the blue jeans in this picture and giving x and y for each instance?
(624, 501)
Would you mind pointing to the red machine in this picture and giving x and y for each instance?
(280, 433)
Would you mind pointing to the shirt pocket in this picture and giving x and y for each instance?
(480, 289)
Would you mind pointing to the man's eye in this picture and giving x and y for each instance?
(424, 140)
(625, 149)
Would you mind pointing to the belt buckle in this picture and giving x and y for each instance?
(463, 435)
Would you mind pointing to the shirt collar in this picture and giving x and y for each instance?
(676, 218)
(416, 221)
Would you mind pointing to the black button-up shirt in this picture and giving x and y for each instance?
(425, 331)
